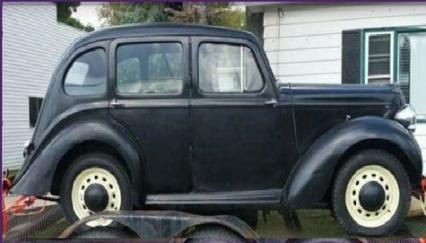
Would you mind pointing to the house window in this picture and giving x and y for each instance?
(379, 58)
(34, 109)
(388, 55)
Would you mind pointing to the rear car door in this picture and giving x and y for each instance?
(237, 127)
(150, 98)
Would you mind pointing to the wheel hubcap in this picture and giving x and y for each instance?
(372, 196)
(94, 190)
(96, 197)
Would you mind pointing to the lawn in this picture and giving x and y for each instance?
(320, 223)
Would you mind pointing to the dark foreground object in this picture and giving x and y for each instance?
(314, 223)
(162, 225)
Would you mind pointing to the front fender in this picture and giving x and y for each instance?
(312, 175)
(37, 178)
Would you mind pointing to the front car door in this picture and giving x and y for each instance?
(237, 127)
(150, 98)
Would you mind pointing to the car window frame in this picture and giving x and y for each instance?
(265, 90)
(182, 40)
(77, 54)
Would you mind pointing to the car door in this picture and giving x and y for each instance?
(150, 99)
(237, 126)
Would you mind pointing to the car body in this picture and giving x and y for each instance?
(183, 139)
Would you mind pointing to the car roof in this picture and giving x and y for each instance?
(162, 29)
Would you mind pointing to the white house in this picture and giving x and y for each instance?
(33, 41)
(347, 43)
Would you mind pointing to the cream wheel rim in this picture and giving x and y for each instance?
(382, 176)
(86, 178)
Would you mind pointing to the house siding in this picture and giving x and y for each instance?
(33, 41)
(303, 42)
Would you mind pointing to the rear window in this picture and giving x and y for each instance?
(87, 75)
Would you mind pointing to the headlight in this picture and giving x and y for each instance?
(407, 117)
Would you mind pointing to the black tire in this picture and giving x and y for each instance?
(94, 160)
(353, 165)
(213, 233)
(105, 233)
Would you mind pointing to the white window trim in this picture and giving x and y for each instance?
(392, 55)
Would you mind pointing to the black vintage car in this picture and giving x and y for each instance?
(187, 115)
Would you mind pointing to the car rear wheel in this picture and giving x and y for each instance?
(93, 183)
(371, 194)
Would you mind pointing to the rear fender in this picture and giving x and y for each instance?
(37, 179)
(312, 175)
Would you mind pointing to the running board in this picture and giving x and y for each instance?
(270, 196)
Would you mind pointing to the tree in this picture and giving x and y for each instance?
(203, 13)
(128, 13)
(64, 12)
(65, 9)
(212, 13)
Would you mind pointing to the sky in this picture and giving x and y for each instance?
(87, 14)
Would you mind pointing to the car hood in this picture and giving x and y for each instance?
(343, 94)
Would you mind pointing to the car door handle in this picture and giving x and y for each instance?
(272, 102)
(116, 104)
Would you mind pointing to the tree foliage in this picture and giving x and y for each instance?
(204, 13)
(223, 15)
(64, 12)
(127, 13)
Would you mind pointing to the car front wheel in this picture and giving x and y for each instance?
(371, 194)
(93, 183)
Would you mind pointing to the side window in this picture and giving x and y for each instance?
(129, 72)
(87, 75)
(227, 68)
(149, 68)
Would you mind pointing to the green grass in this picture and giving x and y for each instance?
(315, 223)
(319, 223)
(13, 172)
(52, 232)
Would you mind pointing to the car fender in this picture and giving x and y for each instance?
(37, 179)
(313, 173)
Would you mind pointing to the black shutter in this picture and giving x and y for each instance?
(351, 57)
(404, 67)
